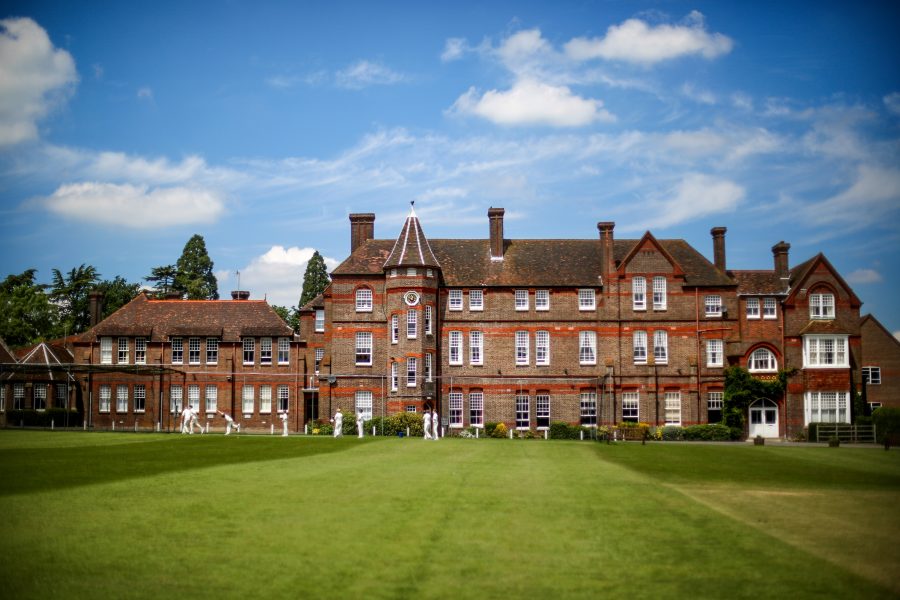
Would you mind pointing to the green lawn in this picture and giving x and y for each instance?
(151, 515)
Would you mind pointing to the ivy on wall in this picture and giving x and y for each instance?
(743, 389)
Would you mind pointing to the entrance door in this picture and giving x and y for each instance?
(764, 419)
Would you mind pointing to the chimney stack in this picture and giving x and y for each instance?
(362, 229)
(718, 236)
(780, 253)
(495, 215)
(607, 245)
(95, 300)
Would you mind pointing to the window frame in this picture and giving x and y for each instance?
(822, 306)
(104, 398)
(631, 402)
(411, 371)
(412, 324)
(479, 305)
(454, 343)
(193, 350)
(661, 347)
(813, 406)
(265, 351)
(456, 409)
(362, 403)
(284, 351)
(176, 399)
(476, 409)
(363, 349)
(106, 350)
(542, 411)
(395, 329)
(588, 408)
(248, 399)
(522, 343)
(767, 304)
(672, 403)
(454, 300)
(660, 293)
(587, 299)
(121, 398)
(752, 308)
(587, 347)
(176, 345)
(319, 323)
(639, 350)
(523, 412)
(841, 351)
(193, 395)
(140, 351)
(639, 293)
(712, 305)
(211, 398)
(867, 375)
(429, 329)
(542, 300)
(283, 397)
(212, 351)
(395, 377)
(122, 356)
(139, 397)
(521, 300)
(715, 356)
(248, 348)
(476, 348)
(542, 348)
(265, 399)
(364, 298)
(754, 360)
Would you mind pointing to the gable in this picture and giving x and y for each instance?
(649, 256)
(818, 271)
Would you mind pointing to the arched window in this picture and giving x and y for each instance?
(762, 359)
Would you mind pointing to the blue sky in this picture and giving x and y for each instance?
(126, 129)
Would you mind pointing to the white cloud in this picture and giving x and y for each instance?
(283, 82)
(695, 196)
(120, 166)
(364, 73)
(34, 78)
(531, 102)
(863, 276)
(742, 101)
(454, 49)
(635, 41)
(698, 142)
(892, 102)
(872, 198)
(698, 95)
(145, 93)
(137, 207)
(277, 275)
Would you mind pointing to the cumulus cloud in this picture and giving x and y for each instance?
(136, 207)
(277, 274)
(695, 196)
(34, 78)
(531, 102)
(863, 276)
(635, 41)
(365, 73)
(119, 166)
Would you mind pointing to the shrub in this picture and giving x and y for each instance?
(489, 429)
(887, 422)
(672, 433)
(716, 432)
(499, 431)
(395, 423)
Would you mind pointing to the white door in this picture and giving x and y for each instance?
(764, 419)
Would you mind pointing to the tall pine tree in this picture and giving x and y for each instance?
(315, 280)
(70, 293)
(194, 276)
(163, 278)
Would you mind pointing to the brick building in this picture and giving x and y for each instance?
(592, 331)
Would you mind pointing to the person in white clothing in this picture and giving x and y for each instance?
(359, 424)
(435, 424)
(284, 419)
(195, 419)
(186, 415)
(229, 423)
(427, 424)
(338, 421)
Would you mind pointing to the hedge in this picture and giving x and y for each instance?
(43, 418)
(887, 422)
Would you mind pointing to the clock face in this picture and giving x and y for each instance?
(411, 298)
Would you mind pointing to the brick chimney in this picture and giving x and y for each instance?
(718, 236)
(495, 215)
(95, 302)
(780, 253)
(362, 229)
(607, 245)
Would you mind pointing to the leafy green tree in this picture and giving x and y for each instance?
(70, 293)
(742, 389)
(117, 293)
(26, 313)
(194, 275)
(163, 278)
(315, 280)
(290, 316)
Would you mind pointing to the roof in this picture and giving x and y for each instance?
(6, 355)
(160, 319)
(411, 248)
(530, 262)
(317, 302)
(800, 273)
(871, 319)
(46, 355)
(759, 283)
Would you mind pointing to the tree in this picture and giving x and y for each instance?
(26, 313)
(70, 293)
(194, 275)
(117, 293)
(163, 278)
(315, 280)
(289, 315)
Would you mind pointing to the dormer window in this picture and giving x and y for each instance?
(821, 306)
